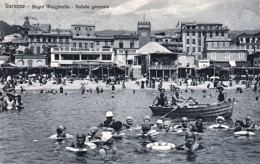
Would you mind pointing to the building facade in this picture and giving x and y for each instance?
(197, 36)
(144, 32)
(251, 42)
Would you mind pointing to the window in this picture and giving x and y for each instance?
(67, 40)
(91, 45)
(199, 50)
(97, 42)
(193, 41)
(106, 57)
(49, 40)
(247, 46)
(57, 57)
(199, 42)
(130, 62)
(188, 33)
(106, 43)
(38, 50)
(54, 39)
(74, 45)
(38, 39)
(77, 34)
(88, 34)
(188, 49)
(247, 40)
(193, 49)
(188, 41)
(60, 40)
(121, 44)
(86, 45)
(80, 45)
(222, 33)
(217, 33)
(32, 49)
(210, 34)
(90, 29)
(131, 44)
(199, 34)
(112, 43)
(86, 28)
(193, 33)
(30, 62)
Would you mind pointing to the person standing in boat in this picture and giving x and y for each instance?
(161, 99)
(221, 96)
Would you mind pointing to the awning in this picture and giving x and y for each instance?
(232, 63)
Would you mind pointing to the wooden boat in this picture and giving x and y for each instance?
(224, 109)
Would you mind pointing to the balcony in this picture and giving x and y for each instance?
(162, 67)
(70, 49)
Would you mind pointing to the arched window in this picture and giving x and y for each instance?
(20, 63)
(121, 45)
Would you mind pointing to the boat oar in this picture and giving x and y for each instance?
(174, 109)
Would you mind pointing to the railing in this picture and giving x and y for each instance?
(163, 67)
(83, 49)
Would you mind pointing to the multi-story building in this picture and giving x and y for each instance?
(197, 36)
(171, 42)
(41, 38)
(251, 42)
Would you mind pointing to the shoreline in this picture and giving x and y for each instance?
(130, 85)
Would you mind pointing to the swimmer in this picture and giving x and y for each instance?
(108, 144)
(61, 131)
(238, 126)
(220, 123)
(167, 126)
(93, 134)
(146, 126)
(101, 90)
(159, 125)
(80, 141)
(158, 145)
(249, 125)
(108, 122)
(191, 144)
(129, 122)
(184, 125)
(198, 127)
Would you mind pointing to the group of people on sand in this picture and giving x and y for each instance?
(10, 101)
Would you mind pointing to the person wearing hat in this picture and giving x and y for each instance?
(159, 125)
(129, 122)
(161, 99)
(221, 96)
(146, 126)
(109, 121)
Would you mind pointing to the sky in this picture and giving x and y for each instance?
(124, 14)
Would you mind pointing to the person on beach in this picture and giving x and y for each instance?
(161, 99)
(123, 85)
(61, 89)
(10, 102)
(3, 104)
(191, 144)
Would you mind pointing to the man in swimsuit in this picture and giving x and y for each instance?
(161, 99)
(108, 123)
(191, 144)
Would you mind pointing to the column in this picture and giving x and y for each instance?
(156, 73)
(163, 73)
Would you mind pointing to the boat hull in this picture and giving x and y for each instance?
(224, 109)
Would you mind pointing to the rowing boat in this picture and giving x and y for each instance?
(224, 109)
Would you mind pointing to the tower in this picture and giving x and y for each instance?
(144, 32)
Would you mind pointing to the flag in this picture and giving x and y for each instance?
(178, 24)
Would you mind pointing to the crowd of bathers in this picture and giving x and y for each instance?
(102, 138)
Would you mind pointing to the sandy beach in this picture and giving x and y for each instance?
(130, 85)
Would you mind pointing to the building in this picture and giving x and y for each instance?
(31, 61)
(251, 42)
(41, 38)
(186, 65)
(197, 36)
(171, 42)
(157, 61)
(144, 32)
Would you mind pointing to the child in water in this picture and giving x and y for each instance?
(80, 142)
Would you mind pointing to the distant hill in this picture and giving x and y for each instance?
(6, 29)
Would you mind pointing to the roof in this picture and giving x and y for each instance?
(153, 47)
(10, 38)
(85, 25)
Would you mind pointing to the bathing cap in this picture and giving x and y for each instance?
(147, 118)
(167, 123)
(129, 118)
(220, 118)
(117, 125)
(60, 129)
(92, 130)
(109, 114)
(159, 121)
(184, 119)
